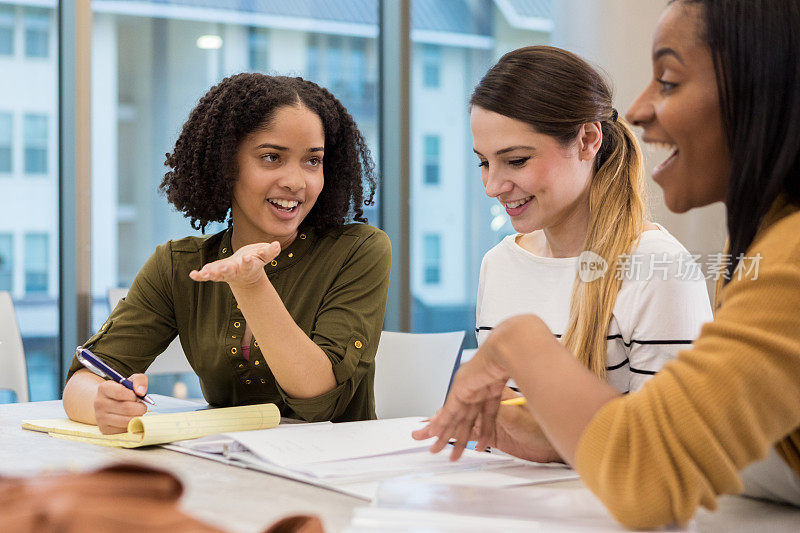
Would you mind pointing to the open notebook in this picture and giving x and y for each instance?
(157, 428)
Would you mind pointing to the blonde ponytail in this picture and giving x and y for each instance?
(617, 214)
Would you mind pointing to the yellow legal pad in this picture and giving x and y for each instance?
(154, 428)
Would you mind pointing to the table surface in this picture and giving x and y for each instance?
(241, 500)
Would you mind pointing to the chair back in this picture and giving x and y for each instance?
(412, 372)
(13, 374)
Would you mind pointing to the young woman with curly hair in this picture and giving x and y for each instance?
(299, 315)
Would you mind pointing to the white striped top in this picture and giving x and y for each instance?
(659, 310)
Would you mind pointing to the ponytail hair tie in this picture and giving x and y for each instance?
(614, 115)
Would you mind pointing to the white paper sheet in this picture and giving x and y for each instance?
(307, 444)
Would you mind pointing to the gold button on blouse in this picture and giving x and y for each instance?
(237, 306)
(274, 263)
(234, 350)
(291, 255)
(263, 380)
(302, 236)
(247, 381)
(224, 250)
(256, 362)
(358, 344)
(240, 365)
(255, 343)
(237, 324)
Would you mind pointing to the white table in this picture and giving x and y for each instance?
(242, 500)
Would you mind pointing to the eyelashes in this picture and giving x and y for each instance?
(666, 86)
(518, 162)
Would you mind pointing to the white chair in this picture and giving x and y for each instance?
(13, 374)
(172, 360)
(412, 372)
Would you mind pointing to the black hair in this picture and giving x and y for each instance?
(755, 45)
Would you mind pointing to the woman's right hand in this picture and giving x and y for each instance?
(115, 404)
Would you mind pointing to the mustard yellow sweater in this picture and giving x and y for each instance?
(652, 457)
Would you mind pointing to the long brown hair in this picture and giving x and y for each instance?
(556, 92)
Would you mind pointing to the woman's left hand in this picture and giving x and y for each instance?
(244, 268)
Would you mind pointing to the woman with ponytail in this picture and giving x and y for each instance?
(298, 312)
(585, 259)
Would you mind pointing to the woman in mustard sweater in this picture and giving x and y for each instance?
(724, 417)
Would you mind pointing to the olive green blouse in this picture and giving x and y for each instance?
(334, 283)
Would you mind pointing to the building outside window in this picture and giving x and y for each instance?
(36, 261)
(431, 172)
(431, 65)
(433, 258)
(35, 144)
(6, 142)
(6, 262)
(37, 33)
(6, 30)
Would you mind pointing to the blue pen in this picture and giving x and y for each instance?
(96, 365)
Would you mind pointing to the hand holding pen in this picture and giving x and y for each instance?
(118, 399)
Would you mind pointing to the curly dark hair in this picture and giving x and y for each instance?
(203, 161)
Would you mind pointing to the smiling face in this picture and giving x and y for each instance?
(279, 177)
(541, 183)
(680, 110)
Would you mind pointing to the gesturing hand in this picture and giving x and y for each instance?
(471, 407)
(243, 268)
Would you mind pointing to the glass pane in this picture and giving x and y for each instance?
(431, 65)
(37, 32)
(259, 53)
(35, 144)
(36, 263)
(431, 171)
(6, 262)
(451, 50)
(29, 232)
(6, 137)
(7, 16)
(433, 252)
(148, 73)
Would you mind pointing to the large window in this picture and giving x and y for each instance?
(6, 142)
(35, 143)
(29, 231)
